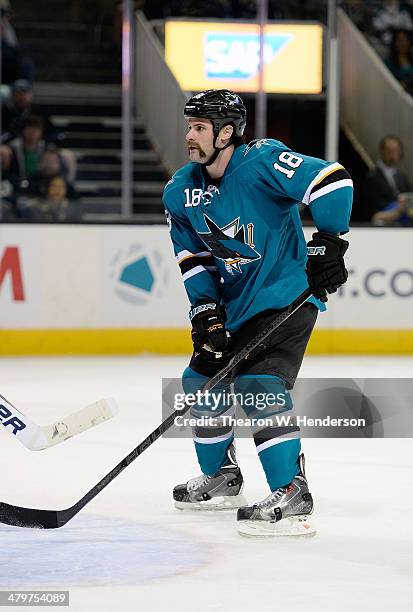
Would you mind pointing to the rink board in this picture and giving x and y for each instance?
(117, 290)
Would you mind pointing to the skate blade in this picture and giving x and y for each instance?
(292, 526)
(216, 504)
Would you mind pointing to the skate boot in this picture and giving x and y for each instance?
(283, 513)
(222, 491)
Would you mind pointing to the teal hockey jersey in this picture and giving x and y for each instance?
(240, 240)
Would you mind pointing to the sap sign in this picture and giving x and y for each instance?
(237, 56)
(205, 55)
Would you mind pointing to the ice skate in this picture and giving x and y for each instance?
(286, 512)
(222, 491)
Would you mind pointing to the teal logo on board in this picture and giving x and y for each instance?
(139, 274)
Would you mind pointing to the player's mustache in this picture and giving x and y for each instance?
(192, 145)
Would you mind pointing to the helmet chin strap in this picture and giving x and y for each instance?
(217, 151)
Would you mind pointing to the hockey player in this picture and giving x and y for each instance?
(237, 236)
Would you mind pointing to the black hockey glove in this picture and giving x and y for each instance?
(209, 336)
(326, 271)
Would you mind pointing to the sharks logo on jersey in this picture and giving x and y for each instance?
(206, 196)
(231, 244)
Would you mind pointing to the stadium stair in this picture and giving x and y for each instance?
(77, 85)
(91, 121)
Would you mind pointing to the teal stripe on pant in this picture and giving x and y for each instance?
(280, 463)
(211, 457)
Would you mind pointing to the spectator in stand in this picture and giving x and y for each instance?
(14, 64)
(15, 110)
(29, 147)
(11, 62)
(53, 162)
(7, 184)
(55, 206)
(385, 188)
(16, 107)
(392, 16)
(7, 30)
(400, 60)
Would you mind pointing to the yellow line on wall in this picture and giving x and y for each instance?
(361, 342)
(178, 341)
(94, 341)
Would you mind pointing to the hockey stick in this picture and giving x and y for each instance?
(36, 437)
(51, 519)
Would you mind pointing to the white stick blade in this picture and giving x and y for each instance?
(80, 421)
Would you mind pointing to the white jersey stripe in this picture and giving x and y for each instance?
(193, 272)
(318, 178)
(330, 188)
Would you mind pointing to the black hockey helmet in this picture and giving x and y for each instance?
(221, 107)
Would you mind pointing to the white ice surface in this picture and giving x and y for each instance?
(129, 549)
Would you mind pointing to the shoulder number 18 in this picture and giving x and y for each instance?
(289, 159)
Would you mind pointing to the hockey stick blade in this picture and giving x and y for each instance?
(19, 516)
(78, 422)
(36, 437)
